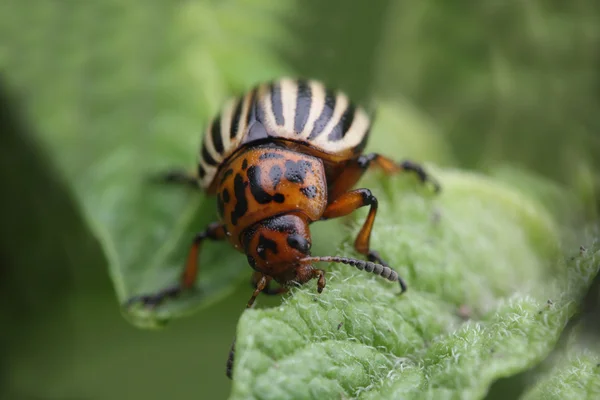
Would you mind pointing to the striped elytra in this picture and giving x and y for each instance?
(304, 112)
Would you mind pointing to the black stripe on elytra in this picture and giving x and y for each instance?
(296, 171)
(275, 174)
(215, 132)
(277, 103)
(257, 111)
(309, 191)
(326, 113)
(201, 171)
(226, 175)
(303, 103)
(241, 205)
(265, 244)
(251, 114)
(245, 164)
(206, 155)
(266, 156)
(341, 128)
(237, 113)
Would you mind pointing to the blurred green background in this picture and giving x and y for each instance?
(503, 82)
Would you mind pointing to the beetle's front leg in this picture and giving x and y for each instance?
(214, 231)
(320, 274)
(268, 290)
(348, 203)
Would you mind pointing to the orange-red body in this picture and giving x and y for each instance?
(280, 157)
(265, 181)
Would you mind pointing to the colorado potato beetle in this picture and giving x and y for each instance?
(284, 155)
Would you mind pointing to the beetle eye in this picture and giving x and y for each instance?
(299, 243)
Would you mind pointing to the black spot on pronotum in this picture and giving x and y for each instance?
(268, 155)
(309, 191)
(259, 194)
(265, 244)
(275, 175)
(244, 164)
(296, 171)
(256, 188)
(226, 196)
(241, 205)
(226, 175)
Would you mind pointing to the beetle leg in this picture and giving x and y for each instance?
(355, 169)
(319, 273)
(268, 290)
(346, 204)
(391, 167)
(229, 368)
(262, 283)
(349, 202)
(178, 177)
(214, 231)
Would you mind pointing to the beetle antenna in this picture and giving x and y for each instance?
(369, 266)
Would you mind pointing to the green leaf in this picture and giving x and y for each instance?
(487, 299)
(574, 375)
(121, 90)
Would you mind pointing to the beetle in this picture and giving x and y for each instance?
(281, 156)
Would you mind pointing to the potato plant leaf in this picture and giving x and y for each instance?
(575, 373)
(119, 91)
(488, 297)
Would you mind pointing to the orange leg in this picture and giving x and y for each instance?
(346, 204)
(320, 274)
(268, 290)
(356, 168)
(261, 284)
(214, 231)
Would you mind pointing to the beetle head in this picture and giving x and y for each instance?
(276, 245)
